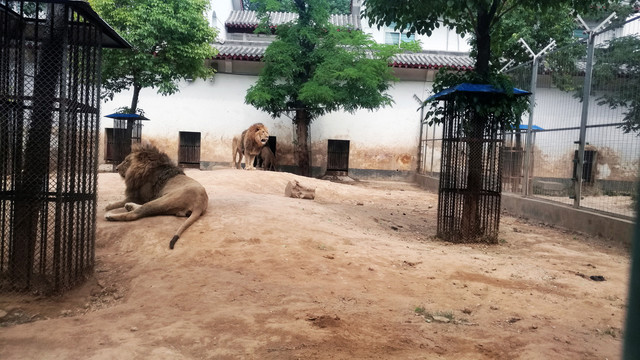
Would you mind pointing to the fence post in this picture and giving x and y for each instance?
(529, 145)
(586, 91)
(532, 105)
(420, 166)
(433, 144)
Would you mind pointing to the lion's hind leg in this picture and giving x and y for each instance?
(160, 206)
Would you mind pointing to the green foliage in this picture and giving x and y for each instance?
(170, 39)
(536, 26)
(424, 16)
(495, 27)
(127, 110)
(616, 75)
(503, 111)
(616, 69)
(563, 66)
(320, 68)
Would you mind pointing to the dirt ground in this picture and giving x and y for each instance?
(354, 274)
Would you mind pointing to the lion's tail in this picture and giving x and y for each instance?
(195, 215)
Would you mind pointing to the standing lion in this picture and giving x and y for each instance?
(156, 186)
(249, 144)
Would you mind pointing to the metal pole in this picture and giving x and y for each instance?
(586, 91)
(583, 119)
(529, 142)
(433, 143)
(528, 155)
(420, 162)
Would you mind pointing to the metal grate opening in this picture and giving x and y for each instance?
(189, 149)
(338, 157)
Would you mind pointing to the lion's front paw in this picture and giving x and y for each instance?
(131, 206)
(108, 217)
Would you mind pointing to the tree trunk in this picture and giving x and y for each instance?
(131, 122)
(471, 208)
(32, 184)
(301, 146)
(471, 224)
(483, 39)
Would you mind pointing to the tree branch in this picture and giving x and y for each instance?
(506, 9)
(470, 13)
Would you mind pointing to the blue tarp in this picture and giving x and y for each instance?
(533, 127)
(126, 116)
(474, 88)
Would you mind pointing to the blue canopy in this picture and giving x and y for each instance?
(474, 88)
(533, 127)
(126, 116)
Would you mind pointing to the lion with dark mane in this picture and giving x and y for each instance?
(156, 186)
(249, 144)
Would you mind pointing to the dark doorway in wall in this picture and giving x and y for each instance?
(338, 157)
(588, 166)
(189, 149)
(271, 144)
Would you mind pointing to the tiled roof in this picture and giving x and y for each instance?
(236, 51)
(240, 52)
(249, 19)
(432, 61)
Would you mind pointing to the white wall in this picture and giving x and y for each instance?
(222, 8)
(216, 109)
(442, 38)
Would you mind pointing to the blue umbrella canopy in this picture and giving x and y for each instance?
(473, 88)
(119, 116)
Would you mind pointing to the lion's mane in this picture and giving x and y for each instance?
(249, 144)
(252, 139)
(146, 171)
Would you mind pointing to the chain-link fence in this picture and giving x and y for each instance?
(49, 111)
(576, 134)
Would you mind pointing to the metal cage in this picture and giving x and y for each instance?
(50, 55)
(471, 168)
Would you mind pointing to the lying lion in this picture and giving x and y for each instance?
(249, 144)
(155, 186)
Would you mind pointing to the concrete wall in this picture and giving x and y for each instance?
(563, 216)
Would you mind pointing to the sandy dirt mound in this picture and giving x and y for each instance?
(354, 274)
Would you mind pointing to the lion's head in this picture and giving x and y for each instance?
(256, 137)
(142, 165)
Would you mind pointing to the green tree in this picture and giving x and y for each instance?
(313, 68)
(481, 19)
(620, 61)
(616, 61)
(170, 41)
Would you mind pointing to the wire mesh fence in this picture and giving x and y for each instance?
(584, 150)
(49, 108)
